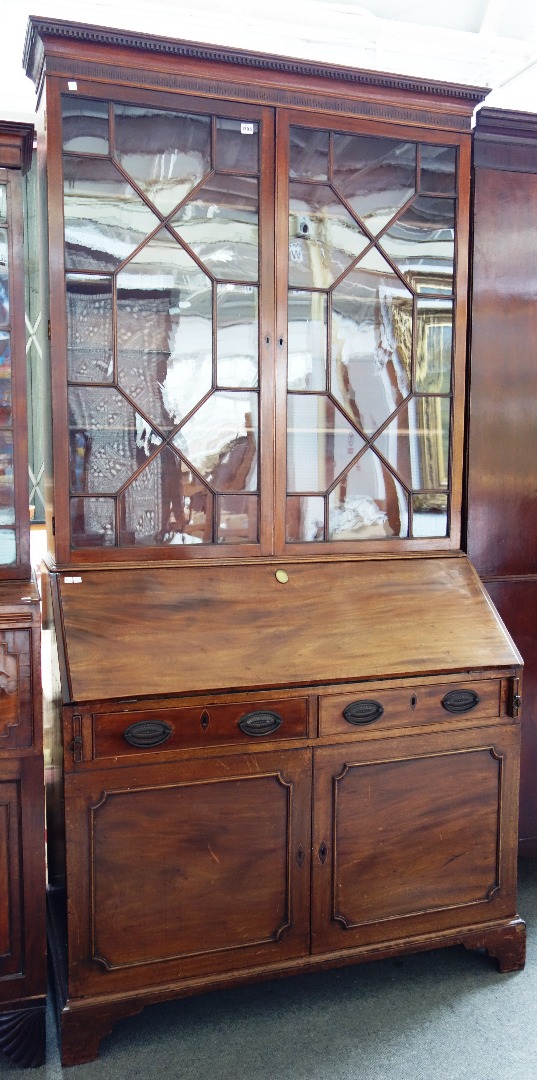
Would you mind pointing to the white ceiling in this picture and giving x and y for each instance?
(478, 42)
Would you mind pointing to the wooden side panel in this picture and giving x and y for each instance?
(187, 871)
(517, 603)
(502, 495)
(408, 836)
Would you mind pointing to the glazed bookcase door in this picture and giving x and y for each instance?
(369, 382)
(166, 243)
(14, 513)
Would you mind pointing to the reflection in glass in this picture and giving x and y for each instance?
(320, 442)
(375, 175)
(236, 148)
(306, 356)
(220, 225)
(90, 355)
(237, 335)
(93, 522)
(8, 547)
(165, 504)
(433, 346)
(438, 169)
(238, 519)
(84, 125)
(324, 239)
(416, 443)
(371, 342)
(164, 331)
(108, 440)
(105, 219)
(6, 415)
(4, 279)
(308, 154)
(7, 481)
(421, 244)
(304, 518)
(221, 441)
(3, 202)
(429, 515)
(368, 503)
(166, 153)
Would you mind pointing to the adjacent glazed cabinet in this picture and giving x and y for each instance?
(22, 827)
(286, 720)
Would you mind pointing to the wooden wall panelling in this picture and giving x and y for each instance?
(501, 528)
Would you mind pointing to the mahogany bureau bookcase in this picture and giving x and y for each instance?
(285, 727)
(23, 977)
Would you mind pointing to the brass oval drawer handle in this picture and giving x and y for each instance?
(460, 701)
(147, 733)
(260, 723)
(363, 712)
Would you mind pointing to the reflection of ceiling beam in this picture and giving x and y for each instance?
(492, 17)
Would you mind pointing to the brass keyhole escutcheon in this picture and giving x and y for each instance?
(282, 576)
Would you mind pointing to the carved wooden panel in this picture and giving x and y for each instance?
(407, 831)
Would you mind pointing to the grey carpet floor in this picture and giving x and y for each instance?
(442, 1015)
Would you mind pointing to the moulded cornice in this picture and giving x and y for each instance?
(16, 139)
(38, 28)
(506, 125)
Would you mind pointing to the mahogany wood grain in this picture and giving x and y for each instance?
(516, 600)
(502, 494)
(133, 632)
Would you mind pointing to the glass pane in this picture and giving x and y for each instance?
(306, 357)
(438, 169)
(320, 442)
(84, 125)
(166, 153)
(3, 202)
(220, 225)
(105, 219)
(421, 244)
(108, 440)
(324, 239)
(416, 443)
(237, 335)
(8, 547)
(7, 483)
(221, 440)
(304, 518)
(4, 279)
(430, 515)
(308, 154)
(6, 416)
(164, 331)
(93, 523)
(371, 343)
(368, 503)
(238, 517)
(376, 176)
(433, 346)
(237, 145)
(165, 504)
(90, 354)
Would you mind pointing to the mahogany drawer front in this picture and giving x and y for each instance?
(134, 732)
(409, 706)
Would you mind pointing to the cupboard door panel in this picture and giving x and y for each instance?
(192, 868)
(11, 895)
(409, 835)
